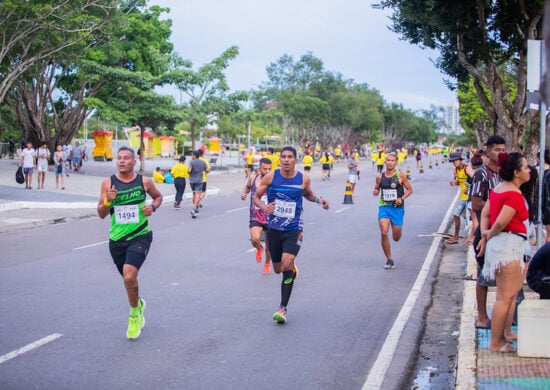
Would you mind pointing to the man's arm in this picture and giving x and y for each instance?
(106, 196)
(154, 193)
(260, 191)
(247, 188)
(376, 190)
(408, 189)
(309, 195)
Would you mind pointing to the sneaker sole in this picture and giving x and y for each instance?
(277, 317)
(143, 311)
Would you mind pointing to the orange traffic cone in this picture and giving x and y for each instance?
(348, 196)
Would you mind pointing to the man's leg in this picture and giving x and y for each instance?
(396, 232)
(267, 264)
(129, 274)
(255, 233)
(384, 224)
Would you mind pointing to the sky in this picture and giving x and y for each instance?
(348, 36)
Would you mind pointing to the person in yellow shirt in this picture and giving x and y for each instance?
(180, 172)
(338, 152)
(158, 176)
(249, 163)
(380, 159)
(203, 193)
(461, 173)
(273, 158)
(326, 164)
(307, 161)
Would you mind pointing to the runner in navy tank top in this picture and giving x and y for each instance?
(285, 188)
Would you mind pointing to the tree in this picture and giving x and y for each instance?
(54, 96)
(477, 38)
(32, 31)
(206, 90)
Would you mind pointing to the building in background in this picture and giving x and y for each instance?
(451, 119)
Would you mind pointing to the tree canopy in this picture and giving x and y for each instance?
(477, 39)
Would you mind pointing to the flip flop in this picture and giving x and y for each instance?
(488, 326)
(506, 348)
(450, 241)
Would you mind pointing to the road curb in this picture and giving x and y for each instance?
(466, 376)
(18, 205)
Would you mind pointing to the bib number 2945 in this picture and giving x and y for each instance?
(284, 209)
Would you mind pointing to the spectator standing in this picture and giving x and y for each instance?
(59, 167)
(27, 162)
(77, 156)
(12, 147)
(503, 239)
(485, 179)
(326, 164)
(68, 151)
(352, 172)
(546, 194)
(273, 158)
(461, 173)
(42, 157)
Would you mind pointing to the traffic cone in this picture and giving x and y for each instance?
(430, 164)
(348, 197)
(436, 162)
(408, 173)
(421, 168)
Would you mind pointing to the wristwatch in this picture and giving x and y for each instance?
(154, 208)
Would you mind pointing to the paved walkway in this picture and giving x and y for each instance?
(477, 367)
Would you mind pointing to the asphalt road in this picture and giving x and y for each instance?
(209, 307)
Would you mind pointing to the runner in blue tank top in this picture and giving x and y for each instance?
(285, 188)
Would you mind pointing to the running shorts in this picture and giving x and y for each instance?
(281, 241)
(131, 252)
(196, 187)
(394, 214)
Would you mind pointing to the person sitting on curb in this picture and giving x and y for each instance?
(538, 274)
(158, 176)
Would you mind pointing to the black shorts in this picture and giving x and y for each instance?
(196, 187)
(203, 186)
(281, 241)
(257, 224)
(307, 168)
(326, 167)
(131, 252)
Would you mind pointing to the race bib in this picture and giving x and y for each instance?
(127, 214)
(284, 209)
(264, 199)
(389, 195)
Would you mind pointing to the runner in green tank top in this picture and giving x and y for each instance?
(123, 197)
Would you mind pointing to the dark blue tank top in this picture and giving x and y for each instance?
(287, 195)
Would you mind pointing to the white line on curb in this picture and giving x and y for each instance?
(91, 245)
(29, 347)
(385, 356)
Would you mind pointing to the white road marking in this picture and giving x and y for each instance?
(29, 347)
(235, 210)
(385, 356)
(91, 245)
(340, 210)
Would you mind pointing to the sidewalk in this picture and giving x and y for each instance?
(481, 369)
(21, 208)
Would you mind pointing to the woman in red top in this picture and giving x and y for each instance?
(504, 243)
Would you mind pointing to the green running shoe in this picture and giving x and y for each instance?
(280, 315)
(142, 305)
(134, 328)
